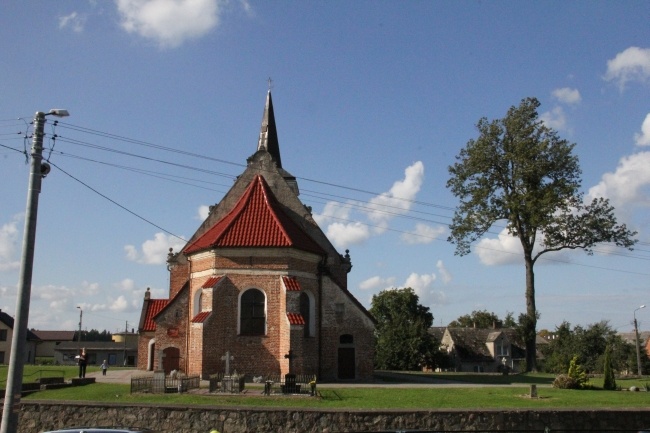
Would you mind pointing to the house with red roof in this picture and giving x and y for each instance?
(260, 283)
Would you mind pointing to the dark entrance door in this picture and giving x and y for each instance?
(346, 363)
(171, 357)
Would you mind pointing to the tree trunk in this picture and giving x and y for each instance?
(530, 326)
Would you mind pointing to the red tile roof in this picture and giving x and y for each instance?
(295, 319)
(257, 220)
(201, 317)
(153, 307)
(212, 281)
(291, 284)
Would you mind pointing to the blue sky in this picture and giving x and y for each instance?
(373, 100)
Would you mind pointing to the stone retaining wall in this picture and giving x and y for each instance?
(42, 416)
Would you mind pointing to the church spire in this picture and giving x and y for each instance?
(268, 134)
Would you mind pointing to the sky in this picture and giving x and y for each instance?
(373, 101)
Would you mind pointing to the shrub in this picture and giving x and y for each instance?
(577, 373)
(609, 381)
(564, 381)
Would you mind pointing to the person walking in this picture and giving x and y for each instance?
(104, 367)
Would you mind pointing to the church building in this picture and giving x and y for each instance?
(259, 281)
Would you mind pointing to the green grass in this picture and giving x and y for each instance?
(388, 397)
(484, 397)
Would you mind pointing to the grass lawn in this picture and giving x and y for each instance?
(483, 396)
(510, 397)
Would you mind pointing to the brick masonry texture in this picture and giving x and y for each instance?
(42, 416)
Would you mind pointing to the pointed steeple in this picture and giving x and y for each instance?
(268, 133)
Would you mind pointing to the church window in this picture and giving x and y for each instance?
(252, 313)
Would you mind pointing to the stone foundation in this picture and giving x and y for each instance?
(43, 416)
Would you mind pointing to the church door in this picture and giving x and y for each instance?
(171, 358)
(346, 363)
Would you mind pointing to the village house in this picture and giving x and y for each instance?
(6, 337)
(480, 350)
(259, 285)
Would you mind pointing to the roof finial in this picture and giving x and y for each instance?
(270, 81)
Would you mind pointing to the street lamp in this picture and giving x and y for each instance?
(79, 336)
(636, 336)
(38, 170)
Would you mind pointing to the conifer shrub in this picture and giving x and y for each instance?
(609, 381)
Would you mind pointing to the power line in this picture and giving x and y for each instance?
(117, 204)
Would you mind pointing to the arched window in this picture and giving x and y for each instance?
(305, 311)
(252, 309)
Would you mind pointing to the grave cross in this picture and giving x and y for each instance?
(290, 357)
(227, 357)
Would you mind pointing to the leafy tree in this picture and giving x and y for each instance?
(609, 381)
(478, 319)
(519, 171)
(590, 346)
(403, 341)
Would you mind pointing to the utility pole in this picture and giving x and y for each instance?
(38, 170)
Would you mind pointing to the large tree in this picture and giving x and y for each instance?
(520, 172)
(478, 319)
(403, 341)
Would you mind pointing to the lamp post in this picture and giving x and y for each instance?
(38, 170)
(79, 336)
(636, 337)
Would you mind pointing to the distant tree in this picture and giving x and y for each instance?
(519, 171)
(589, 345)
(609, 380)
(93, 335)
(560, 350)
(403, 341)
(478, 319)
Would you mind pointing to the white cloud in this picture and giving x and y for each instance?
(627, 185)
(126, 285)
(643, 139)
(423, 234)
(422, 286)
(345, 234)
(555, 119)
(169, 23)
(399, 199)
(8, 244)
(203, 212)
(333, 211)
(119, 305)
(377, 283)
(632, 64)
(74, 21)
(154, 251)
(505, 249)
(444, 273)
(567, 95)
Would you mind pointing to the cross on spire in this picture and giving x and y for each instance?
(270, 81)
